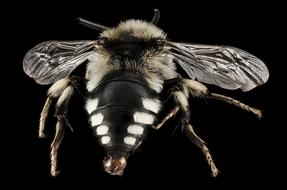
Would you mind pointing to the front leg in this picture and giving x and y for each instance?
(61, 114)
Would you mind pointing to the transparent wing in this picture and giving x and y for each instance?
(226, 67)
(50, 61)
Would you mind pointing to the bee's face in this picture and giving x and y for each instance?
(132, 39)
(128, 46)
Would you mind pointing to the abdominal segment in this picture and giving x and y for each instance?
(121, 109)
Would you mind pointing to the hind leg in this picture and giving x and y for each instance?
(180, 95)
(62, 90)
(202, 145)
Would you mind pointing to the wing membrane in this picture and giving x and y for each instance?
(226, 67)
(50, 61)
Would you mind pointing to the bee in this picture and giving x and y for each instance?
(132, 72)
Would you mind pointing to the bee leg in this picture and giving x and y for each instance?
(170, 114)
(62, 90)
(43, 116)
(182, 88)
(181, 99)
(59, 135)
(61, 112)
(201, 144)
(197, 89)
(180, 95)
(237, 103)
(54, 92)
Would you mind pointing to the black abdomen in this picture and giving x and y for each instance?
(121, 108)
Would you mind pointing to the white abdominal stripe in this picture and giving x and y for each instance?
(129, 140)
(102, 129)
(131, 133)
(105, 139)
(92, 105)
(135, 129)
(143, 118)
(153, 104)
(96, 119)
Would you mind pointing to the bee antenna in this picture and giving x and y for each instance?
(91, 24)
(156, 16)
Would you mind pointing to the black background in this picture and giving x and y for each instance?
(245, 149)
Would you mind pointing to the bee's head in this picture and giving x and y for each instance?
(131, 31)
(130, 38)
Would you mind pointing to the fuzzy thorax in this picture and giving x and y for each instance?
(136, 28)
